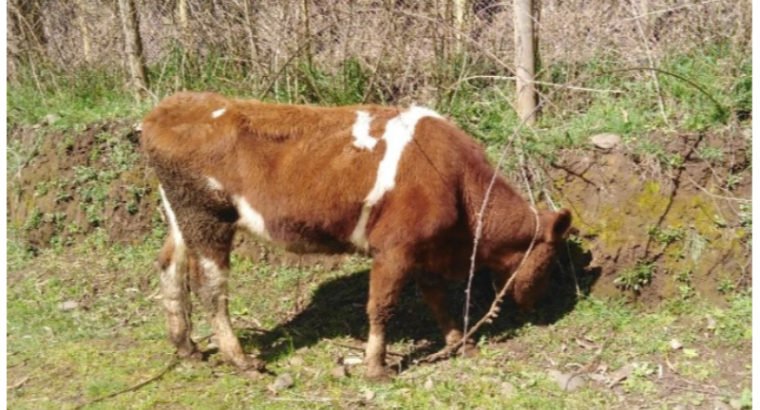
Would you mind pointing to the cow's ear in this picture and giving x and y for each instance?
(558, 224)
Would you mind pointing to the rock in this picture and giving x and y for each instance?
(711, 323)
(68, 305)
(508, 389)
(675, 344)
(50, 119)
(339, 372)
(567, 381)
(369, 395)
(605, 141)
(352, 360)
(428, 384)
(282, 382)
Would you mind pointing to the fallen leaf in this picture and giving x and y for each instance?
(567, 381)
(620, 374)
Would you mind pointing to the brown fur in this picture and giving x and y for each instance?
(297, 167)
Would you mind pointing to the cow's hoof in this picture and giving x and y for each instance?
(469, 350)
(193, 354)
(250, 364)
(379, 374)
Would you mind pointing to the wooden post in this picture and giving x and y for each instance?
(525, 60)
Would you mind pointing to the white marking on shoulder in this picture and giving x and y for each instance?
(214, 184)
(173, 225)
(250, 218)
(399, 131)
(218, 113)
(360, 131)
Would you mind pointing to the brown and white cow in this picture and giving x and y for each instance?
(403, 185)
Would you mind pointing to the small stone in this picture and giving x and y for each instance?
(352, 360)
(675, 344)
(339, 372)
(369, 395)
(508, 389)
(50, 119)
(735, 404)
(567, 381)
(605, 141)
(711, 323)
(428, 384)
(282, 382)
(68, 305)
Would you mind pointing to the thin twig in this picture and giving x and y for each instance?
(172, 364)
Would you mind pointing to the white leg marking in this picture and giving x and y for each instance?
(218, 113)
(399, 131)
(360, 131)
(250, 218)
(213, 274)
(214, 184)
(173, 225)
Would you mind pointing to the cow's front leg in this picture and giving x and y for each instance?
(387, 279)
(211, 288)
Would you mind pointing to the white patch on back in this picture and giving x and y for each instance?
(360, 131)
(173, 225)
(250, 218)
(399, 131)
(218, 113)
(214, 184)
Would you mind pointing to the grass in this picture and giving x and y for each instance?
(115, 338)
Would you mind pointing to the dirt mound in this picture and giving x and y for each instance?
(75, 183)
(664, 227)
(651, 230)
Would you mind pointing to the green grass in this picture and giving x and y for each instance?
(116, 339)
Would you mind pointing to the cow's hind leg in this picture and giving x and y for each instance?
(175, 291)
(434, 294)
(211, 287)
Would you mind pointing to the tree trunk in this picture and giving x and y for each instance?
(525, 60)
(184, 22)
(84, 30)
(133, 47)
(459, 9)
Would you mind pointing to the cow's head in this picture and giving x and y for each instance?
(532, 274)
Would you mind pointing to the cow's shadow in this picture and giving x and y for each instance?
(337, 309)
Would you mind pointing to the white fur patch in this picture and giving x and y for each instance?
(214, 184)
(173, 225)
(250, 218)
(399, 131)
(218, 113)
(213, 274)
(360, 131)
